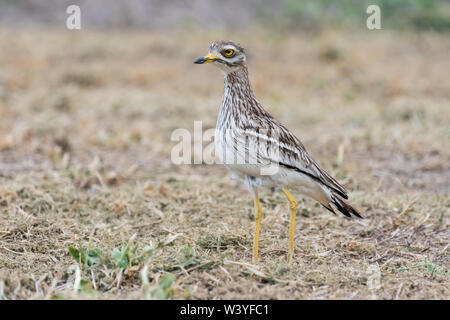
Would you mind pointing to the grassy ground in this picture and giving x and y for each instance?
(85, 125)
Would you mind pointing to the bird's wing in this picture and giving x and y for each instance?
(297, 156)
(276, 144)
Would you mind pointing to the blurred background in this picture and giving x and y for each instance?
(86, 118)
(417, 14)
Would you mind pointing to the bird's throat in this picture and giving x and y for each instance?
(238, 80)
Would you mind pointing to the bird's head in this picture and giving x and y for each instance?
(227, 55)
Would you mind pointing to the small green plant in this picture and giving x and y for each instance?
(125, 256)
(120, 256)
(161, 290)
(430, 267)
(88, 257)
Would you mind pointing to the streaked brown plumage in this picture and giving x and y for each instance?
(249, 140)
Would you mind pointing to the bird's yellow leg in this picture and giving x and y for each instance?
(258, 217)
(293, 205)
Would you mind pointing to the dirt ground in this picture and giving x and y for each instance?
(85, 163)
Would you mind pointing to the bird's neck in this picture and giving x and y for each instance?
(238, 83)
(238, 99)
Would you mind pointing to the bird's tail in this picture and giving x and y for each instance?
(342, 205)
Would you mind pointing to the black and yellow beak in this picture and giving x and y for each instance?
(206, 59)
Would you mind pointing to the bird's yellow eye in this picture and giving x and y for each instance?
(228, 52)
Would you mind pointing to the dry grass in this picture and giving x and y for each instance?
(85, 124)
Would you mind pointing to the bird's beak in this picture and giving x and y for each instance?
(206, 59)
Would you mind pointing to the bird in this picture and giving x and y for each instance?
(262, 152)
